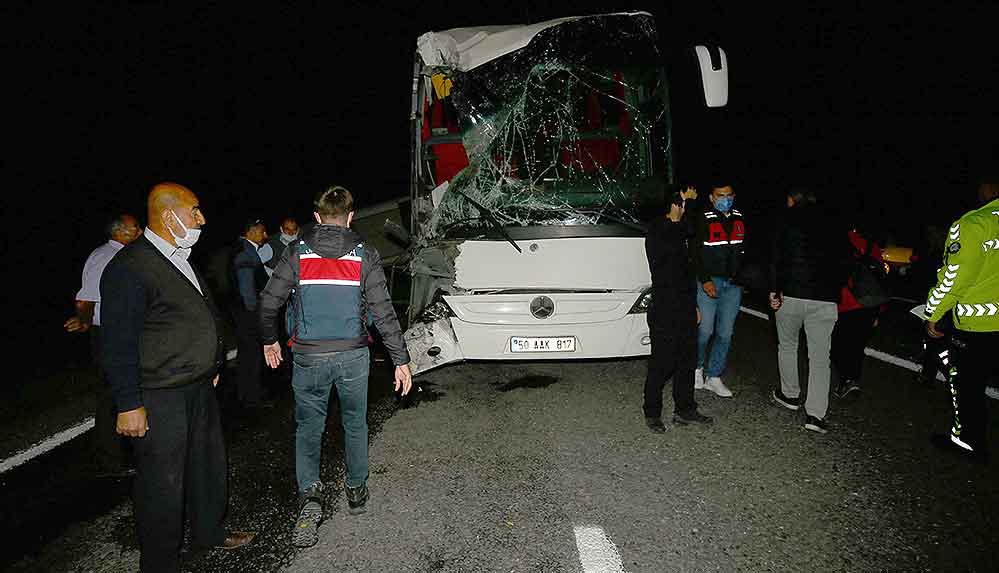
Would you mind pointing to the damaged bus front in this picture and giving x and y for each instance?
(538, 151)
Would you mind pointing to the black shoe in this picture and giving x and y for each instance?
(357, 499)
(847, 387)
(816, 425)
(310, 515)
(944, 443)
(692, 418)
(789, 403)
(656, 425)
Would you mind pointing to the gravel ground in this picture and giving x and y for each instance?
(494, 466)
(496, 473)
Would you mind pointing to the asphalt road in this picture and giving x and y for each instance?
(518, 467)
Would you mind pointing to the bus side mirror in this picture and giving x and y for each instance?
(714, 75)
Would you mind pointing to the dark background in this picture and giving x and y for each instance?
(888, 108)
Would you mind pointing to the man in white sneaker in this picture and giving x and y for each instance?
(717, 254)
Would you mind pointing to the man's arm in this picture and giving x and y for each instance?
(123, 316)
(244, 279)
(961, 266)
(275, 294)
(83, 319)
(380, 306)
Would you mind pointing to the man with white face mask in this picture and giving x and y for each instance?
(717, 254)
(278, 243)
(162, 353)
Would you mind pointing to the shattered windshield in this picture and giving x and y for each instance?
(571, 130)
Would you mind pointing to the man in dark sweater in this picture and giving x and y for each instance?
(338, 287)
(162, 353)
(672, 316)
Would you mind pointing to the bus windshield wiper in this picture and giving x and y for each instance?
(488, 215)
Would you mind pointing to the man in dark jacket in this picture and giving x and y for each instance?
(807, 272)
(672, 316)
(338, 287)
(249, 278)
(718, 250)
(162, 353)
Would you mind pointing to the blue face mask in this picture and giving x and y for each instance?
(724, 204)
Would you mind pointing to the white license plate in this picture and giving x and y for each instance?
(543, 344)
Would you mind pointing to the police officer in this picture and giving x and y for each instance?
(672, 315)
(339, 289)
(968, 286)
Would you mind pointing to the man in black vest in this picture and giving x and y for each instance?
(162, 353)
(249, 278)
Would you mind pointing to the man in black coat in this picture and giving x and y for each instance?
(672, 316)
(162, 352)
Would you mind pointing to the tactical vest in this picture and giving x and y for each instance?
(327, 301)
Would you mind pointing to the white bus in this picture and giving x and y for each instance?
(537, 153)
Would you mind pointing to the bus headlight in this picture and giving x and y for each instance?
(642, 304)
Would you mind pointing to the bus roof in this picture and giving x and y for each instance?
(467, 48)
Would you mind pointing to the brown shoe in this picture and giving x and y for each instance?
(237, 539)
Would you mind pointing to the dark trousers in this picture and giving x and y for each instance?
(250, 359)
(112, 450)
(972, 363)
(181, 468)
(674, 353)
(849, 338)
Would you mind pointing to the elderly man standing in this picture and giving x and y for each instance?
(162, 352)
(111, 455)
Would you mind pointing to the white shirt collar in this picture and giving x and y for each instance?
(115, 244)
(165, 247)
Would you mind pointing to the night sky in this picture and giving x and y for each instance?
(892, 109)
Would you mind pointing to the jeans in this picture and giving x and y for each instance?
(819, 320)
(313, 377)
(717, 318)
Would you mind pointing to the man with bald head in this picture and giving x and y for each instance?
(111, 455)
(162, 352)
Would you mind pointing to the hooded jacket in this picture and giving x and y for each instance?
(337, 287)
(809, 255)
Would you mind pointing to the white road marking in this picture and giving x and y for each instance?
(46, 445)
(60, 438)
(755, 313)
(597, 553)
